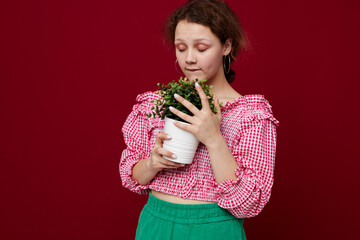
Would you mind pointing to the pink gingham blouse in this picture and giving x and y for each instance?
(249, 130)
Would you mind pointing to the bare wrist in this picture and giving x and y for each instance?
(215, 142)
(150, 167)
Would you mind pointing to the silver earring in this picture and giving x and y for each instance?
(228, 70)
(176, 66)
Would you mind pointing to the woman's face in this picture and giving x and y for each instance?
(199, 52)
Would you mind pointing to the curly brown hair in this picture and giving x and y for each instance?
(216, 15)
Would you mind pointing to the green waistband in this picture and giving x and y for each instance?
(187, 213)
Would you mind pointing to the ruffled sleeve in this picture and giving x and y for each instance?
(136, 136)
(255, 154)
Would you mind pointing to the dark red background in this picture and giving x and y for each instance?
(69, 75)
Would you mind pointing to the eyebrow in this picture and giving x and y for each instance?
(196, 40)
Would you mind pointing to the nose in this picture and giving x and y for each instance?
(190, 57)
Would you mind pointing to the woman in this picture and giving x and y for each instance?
(232, 172)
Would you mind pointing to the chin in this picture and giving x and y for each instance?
(193, 77)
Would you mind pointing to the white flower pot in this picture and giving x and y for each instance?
(182, 143)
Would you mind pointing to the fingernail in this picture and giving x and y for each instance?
(171, 108)
(168, 136)
(197, 85)
(176, 95)
(174, 156)
(182, 164)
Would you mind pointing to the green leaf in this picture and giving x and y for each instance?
(184, 88)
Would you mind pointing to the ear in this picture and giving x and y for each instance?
(227, 46)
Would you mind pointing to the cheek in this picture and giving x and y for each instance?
(211, 63)
(180, 59)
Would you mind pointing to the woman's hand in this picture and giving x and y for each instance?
(205, 125)
(157, 162)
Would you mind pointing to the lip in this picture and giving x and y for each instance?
(192, 69)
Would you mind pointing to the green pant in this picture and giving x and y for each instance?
(161, 220)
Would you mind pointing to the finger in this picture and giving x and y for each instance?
(204, 99)
(171, 167)
(169, 164)
(186, 104)
(163, 152)
(186, 127)
(181, 115)
(217, 105)
(160, 137)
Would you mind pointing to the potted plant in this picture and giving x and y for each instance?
(183, 143)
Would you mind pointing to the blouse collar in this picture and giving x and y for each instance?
(248, 100)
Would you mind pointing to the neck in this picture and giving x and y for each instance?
(222, 89)
(220, 85)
